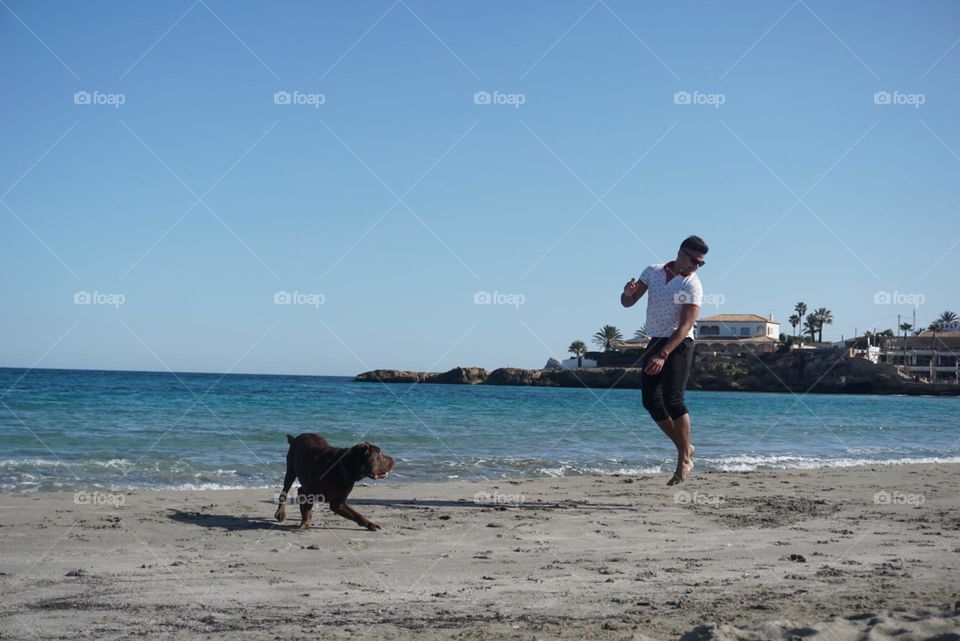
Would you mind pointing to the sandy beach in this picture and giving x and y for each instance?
(828, 554)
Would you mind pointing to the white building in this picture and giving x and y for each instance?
(736, 333)
(571, 363)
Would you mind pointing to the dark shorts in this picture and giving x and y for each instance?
(663, 392)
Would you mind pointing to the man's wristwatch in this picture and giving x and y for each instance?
(663, 354)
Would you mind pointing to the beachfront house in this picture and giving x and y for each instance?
(925, 357)
(737, 333)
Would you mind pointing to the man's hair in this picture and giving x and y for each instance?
(694, 243)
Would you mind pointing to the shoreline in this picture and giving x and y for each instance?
(601, 557)
(839, 464)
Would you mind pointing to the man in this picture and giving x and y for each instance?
(672, 308)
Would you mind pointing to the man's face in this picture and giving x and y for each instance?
(689, 260)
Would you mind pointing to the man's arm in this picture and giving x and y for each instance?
(688, 316)
(632, 292)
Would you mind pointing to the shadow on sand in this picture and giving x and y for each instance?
(233, 523)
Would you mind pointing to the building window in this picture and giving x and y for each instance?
(744, 331)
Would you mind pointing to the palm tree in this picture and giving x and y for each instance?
(946, 318)
(810, 326)
(795, 320)
(606, 336)
(824, 317)
(935, 327)
(905, 327)
(578, 348)
(800, 309)
(641, 333)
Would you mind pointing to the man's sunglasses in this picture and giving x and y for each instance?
(698, 263)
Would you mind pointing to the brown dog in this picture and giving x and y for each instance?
(327, 474)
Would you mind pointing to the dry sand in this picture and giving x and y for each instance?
(754, 555)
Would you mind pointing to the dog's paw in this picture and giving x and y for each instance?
(373, 527)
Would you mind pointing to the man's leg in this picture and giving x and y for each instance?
(667, 426)
(685, 449)
(675, 374)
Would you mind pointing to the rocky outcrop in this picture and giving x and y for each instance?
(458, 376)
(389, 376)
(553, 363)
(515, 376)
(799, 371)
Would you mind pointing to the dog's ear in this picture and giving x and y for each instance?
(361, 463)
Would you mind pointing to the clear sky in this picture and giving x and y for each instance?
(183, 196)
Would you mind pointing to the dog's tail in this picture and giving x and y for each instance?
(290, 438)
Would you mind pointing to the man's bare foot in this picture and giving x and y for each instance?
(683, 469)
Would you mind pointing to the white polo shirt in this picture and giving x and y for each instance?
(665, 299)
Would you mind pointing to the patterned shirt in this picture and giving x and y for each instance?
(665, 299)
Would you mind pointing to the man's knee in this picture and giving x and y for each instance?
(676, 407)
(654, 406)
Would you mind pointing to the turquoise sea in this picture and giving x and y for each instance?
(81, 429)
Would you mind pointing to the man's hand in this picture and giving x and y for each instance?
(654, 366)
(632, 291)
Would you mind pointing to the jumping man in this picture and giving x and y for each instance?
(672, 308)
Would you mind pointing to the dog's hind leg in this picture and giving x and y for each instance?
(306, 501)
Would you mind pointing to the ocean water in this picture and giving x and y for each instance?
(81, 429)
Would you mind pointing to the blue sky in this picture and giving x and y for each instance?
(184, 210)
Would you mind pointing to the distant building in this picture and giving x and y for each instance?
(924, 357)
(736, 333)
(572, 363)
